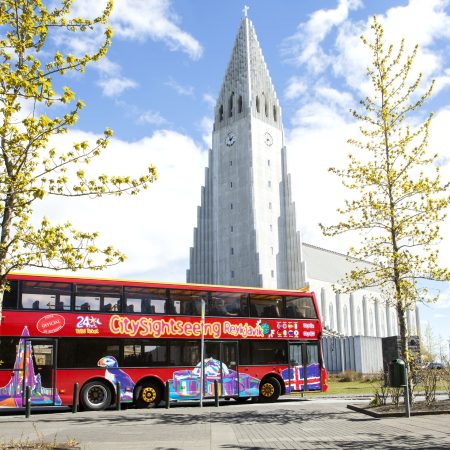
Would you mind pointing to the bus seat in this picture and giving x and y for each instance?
(59, 305)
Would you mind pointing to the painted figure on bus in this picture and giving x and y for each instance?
(24, 374)
(186, 383)
(115, 375)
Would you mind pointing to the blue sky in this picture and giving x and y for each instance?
(157, 88)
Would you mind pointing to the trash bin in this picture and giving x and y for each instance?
(397, 373)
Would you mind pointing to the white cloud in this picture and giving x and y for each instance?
(112, 87)
(209, 100)
(418, 22)
(154, 19)
(305, 46)
(147, 226)
(151, 117)
(206, 127)
(144, 19)
(179, 88)
(295, 88)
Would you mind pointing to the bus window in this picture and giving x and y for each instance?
(300, 308)
(10, 296)
(8, 351)
(145, 353)
(190, 302)
(85, 352)
(227, 304)
(184, 353)
(97, 297)
(265, 305)
(146, 300)
(45, 295)
(268, 352)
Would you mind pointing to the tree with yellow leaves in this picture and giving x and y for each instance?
(400, 199)
(30, 168)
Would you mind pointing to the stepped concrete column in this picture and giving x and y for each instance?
(323, 304)
(352, 315)
(388, 321)
(365, 317)
(377, 318)
(338, 313)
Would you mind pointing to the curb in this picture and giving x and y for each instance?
(394, 414)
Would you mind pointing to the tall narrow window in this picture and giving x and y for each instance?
(240, 104)
(230, 105)
(232, 251)
(272, 272)
(270, 205)
(231, 206)
(271, 250)
(221, 113)
(231, 228)
(266, 107)
(257, 104)
(232, 274)
(269, 183)
(268, 162)
(275, 113)
(231, 163)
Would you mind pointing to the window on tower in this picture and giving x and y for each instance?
(266, 107)
(269, 183)
(257, 104)
(275, 113)
(221, 113)
(232, 251)
(231, 228)
(230, 105)
(240, 104)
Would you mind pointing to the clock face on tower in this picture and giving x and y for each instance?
(230, 139)
(268, 140)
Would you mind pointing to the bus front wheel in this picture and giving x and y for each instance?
(148, 394)
(269, 390)
(95, 396)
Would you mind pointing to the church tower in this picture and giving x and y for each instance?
(246, 229)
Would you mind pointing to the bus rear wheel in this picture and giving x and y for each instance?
(269, 390)
(95, 396)
(148, 395)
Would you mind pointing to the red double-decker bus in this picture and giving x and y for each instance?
(58, 331)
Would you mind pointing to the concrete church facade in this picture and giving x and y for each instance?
(246, 232)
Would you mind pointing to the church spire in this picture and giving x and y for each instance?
(247, 88)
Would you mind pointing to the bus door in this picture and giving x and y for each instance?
(221, 359)
(39, 371)
(303, 356)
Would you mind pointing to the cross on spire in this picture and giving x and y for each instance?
(245, 10)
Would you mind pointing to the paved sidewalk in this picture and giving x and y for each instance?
(307, 424)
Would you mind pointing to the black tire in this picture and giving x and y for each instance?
(148, 395)
(269, 390)
(95, 396)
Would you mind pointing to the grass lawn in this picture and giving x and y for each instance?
(349, 387)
